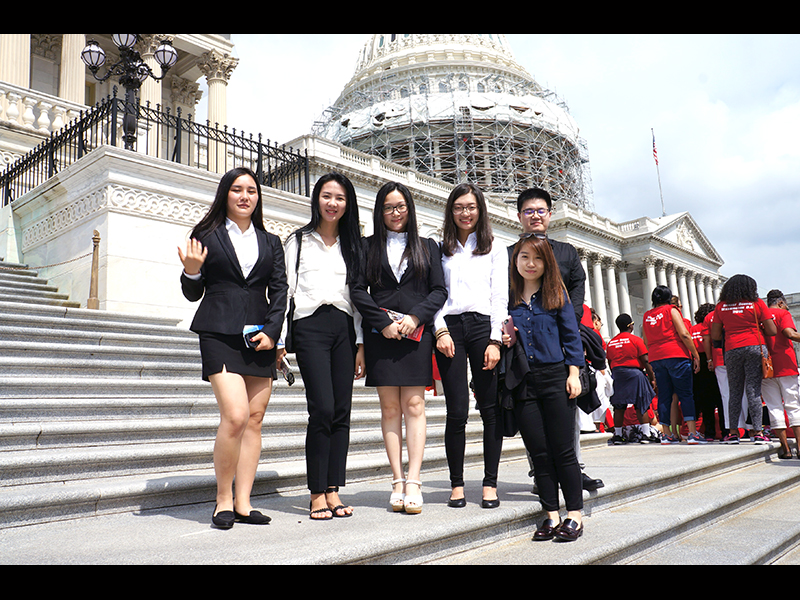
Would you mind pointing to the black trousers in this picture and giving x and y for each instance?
(325, 349)
(547, 425)
(470, 333)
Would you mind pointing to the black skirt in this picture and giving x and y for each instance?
(218, 350)
(631, 387)
(396, 363)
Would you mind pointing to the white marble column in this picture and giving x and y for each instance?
(683, 292)
(599, 293)
(710, 298)
(613, 295)
(624, 290)
(72, 77)
(691, 281)
(15, 59)
(217, 68)
(661, 273)
(584, 256)
(673, 279)
(649, 264)
(701, 291)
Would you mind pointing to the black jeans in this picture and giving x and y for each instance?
(325, 349)
(470, 333)
(547, 425)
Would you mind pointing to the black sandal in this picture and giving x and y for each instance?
(319, 511)
(335, 510)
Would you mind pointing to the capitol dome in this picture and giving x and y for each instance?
(459, 107)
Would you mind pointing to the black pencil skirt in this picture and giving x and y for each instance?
(398, 363)
(219, 350)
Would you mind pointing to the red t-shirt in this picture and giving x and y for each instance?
(698, 331)
(739, 321)
(781, 349)
(661, 335)
(717, 354)
(625, 350)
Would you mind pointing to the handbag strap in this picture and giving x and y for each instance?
(298, 236)
(758, 328)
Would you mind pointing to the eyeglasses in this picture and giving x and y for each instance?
(529, 212)
(400, 209)
(458, 210)
(527, 236)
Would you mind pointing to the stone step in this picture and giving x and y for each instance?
(129, 491)
(685, 511)
(19, 310)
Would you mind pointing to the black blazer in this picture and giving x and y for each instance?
(230, 302)
(409, 296)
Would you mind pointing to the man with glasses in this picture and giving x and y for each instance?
(534, 211)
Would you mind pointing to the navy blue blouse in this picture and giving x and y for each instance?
(549, 336)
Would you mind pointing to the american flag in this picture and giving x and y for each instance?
(655, 152)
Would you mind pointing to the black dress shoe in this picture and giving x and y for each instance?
(490, 503)
(569, 531)
(547, 531)
(223, 519)
(590, 485)
(457, 502)
(254, 518)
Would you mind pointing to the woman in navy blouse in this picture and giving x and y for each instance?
(549, 347)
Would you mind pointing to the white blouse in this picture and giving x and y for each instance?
(395, 248)
(476, 284)
(245, 244)
(322, 279)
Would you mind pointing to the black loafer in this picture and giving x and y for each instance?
(224, 519)
(457, 502)
(254, 518)
(569, 531)
(591, 485)
(547, 531)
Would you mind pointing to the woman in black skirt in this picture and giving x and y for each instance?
(401, 273)
(234, 264)
(327, 334)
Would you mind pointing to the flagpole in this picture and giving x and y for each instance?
(658, 172)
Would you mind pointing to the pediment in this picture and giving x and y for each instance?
(681, 230)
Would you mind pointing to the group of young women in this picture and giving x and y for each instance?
(381, 307)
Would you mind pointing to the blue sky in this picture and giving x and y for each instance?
(725, 110)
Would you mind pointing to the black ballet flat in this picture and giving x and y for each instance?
(224, 519)
(457, 502)
(254, 518)
(490, 503)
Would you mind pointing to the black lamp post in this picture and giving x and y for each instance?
(132, 72)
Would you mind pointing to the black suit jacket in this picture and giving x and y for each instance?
(409, 296)
(230, 302)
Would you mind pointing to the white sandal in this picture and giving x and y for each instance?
(397, 500)
(413, 502)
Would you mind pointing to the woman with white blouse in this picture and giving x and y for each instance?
(327, 335)
(469, 327)
(401, 272)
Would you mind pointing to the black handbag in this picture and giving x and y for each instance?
(289, 341)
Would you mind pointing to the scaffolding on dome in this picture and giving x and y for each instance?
(503, 134)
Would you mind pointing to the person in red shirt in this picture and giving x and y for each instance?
(782, 392)
(707, 397)
(739, 315)
(627, 357)
(674, 358)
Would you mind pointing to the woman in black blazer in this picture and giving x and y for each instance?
(234, 265)
(403, 273)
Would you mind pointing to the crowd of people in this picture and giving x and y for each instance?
(393, 307)
(734, 371)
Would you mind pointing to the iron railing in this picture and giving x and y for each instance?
(161, 135)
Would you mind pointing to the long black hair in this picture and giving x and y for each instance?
(739, 288)
(215, 217)
(416, 252)
(349, 226)
(483, 230)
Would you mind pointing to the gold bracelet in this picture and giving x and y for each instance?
(442, 332)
